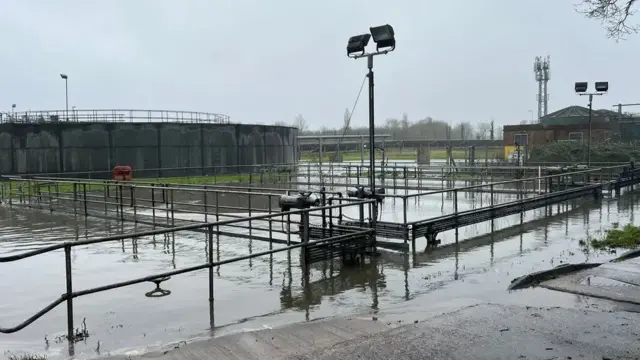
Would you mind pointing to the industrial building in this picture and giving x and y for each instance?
(572, 124)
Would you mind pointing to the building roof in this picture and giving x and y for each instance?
(574, 115)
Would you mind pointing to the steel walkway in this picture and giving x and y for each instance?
(430, 228)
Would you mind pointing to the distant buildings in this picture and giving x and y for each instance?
(572, 124)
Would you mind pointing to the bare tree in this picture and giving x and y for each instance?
(300, 123)
(484, 131)
(346, 125)
(614, 15)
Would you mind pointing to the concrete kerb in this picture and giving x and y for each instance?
(535, 278)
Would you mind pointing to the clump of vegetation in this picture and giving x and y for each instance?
(627, 237)
(573, 152)
(12, 356)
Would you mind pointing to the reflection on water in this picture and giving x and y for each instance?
(474, 264)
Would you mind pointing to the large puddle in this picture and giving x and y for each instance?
(269, 291)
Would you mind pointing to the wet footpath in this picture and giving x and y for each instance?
(607, 328)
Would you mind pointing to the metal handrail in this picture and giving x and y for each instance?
(114, 115)
(68, 245)
(472, 187)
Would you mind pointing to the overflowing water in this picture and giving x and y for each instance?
(474, 264)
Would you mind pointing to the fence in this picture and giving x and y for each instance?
(114, 115)
(211, 229)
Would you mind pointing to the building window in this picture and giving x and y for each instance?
(576, 136)
(521, 139)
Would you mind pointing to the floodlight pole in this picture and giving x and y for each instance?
(589, 143)
(372, 124)
(589, 134)
(372, 127)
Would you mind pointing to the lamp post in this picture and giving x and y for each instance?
(385, 40)
(13, 112)
(66, 94)
(581, 89)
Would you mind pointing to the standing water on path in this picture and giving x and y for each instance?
(269, 291)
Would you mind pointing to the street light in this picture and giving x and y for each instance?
(385, 40)
(13, 112)
(581, 88)
(66, 93)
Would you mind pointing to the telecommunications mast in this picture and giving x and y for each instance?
(542, 71)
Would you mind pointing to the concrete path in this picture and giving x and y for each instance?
(501, 332)
(477, 332)
(486, 331)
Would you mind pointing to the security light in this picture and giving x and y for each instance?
(63, 76)
(581, 87)
(357, 44)
(602, 86)
(383, 36)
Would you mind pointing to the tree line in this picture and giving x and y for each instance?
(405, 129)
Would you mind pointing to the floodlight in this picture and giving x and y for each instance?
(602, 86)
(64, 76)
(383, 36)
(581, 87)
(357, 44)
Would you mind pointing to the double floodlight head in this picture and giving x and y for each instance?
(383, 36)
(601, 86)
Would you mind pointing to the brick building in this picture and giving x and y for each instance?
(571, 123)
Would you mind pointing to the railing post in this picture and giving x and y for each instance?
(153, 204)
(121, 205)
(305, 235)
(75, 198)
(133, 204)
(404, 219)
(84, 195)
(69, 294)
(206, 205)
(211, 285)
(173, 213)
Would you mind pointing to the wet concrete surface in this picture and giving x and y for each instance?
(500, 332)
(485, 331)
(269, 291)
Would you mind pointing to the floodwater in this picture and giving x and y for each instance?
(269, 291)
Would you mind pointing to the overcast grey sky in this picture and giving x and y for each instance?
(264, 61)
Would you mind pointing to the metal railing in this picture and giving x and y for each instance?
(114, 115)
(81, 196)
(212, 228)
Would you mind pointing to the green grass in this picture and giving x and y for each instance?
(96, 185)
(627, 237)
(12, 356)
(408, 154)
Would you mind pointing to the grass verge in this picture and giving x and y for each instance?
(11, 356)
(627, 237)
(96, 185)
(408, 154)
